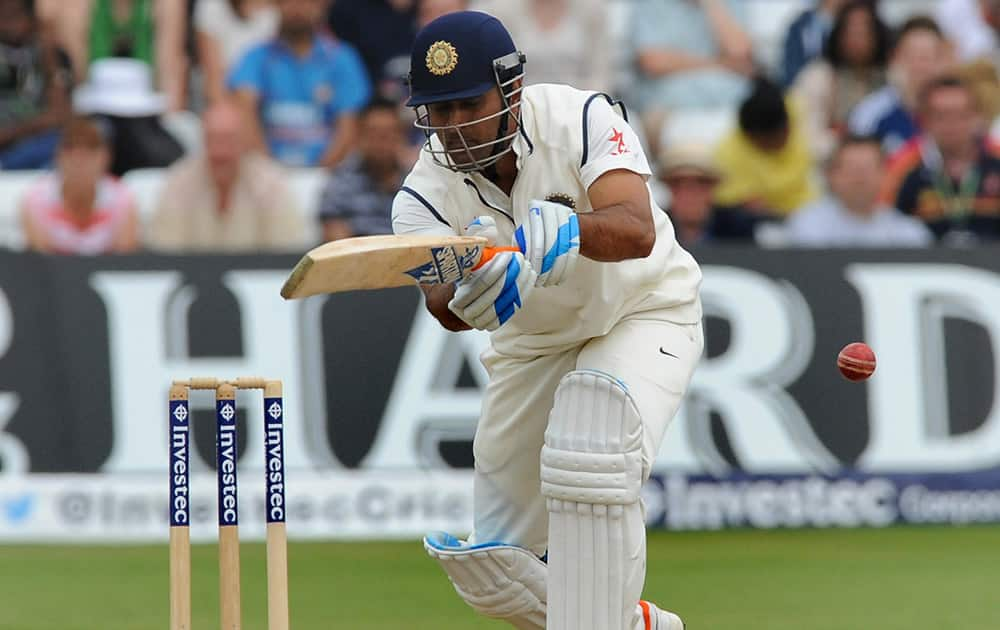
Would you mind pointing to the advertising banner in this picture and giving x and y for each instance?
(769, 436)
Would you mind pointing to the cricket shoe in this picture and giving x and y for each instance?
(656, 619)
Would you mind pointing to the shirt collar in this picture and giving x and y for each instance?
(522, 144)
(314, 50)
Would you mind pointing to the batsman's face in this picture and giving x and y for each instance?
(479, 136)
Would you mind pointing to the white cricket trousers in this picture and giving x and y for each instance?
(655, 360)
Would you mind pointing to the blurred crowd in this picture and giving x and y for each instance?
(863, 133)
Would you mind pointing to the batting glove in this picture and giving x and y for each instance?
(490, 295)
(484, 226)
(550, 240)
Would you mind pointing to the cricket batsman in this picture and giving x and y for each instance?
(595, 321)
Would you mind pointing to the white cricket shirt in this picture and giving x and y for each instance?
(569, 139)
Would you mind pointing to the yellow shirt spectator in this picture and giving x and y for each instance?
(766, 163)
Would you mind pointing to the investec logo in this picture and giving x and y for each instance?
(275, 461)
(180, 439)
(227, 463)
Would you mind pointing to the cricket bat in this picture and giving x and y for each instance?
(380, 262)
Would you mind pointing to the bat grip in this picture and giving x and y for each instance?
(490, 252)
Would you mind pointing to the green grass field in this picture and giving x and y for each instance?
(898, 579)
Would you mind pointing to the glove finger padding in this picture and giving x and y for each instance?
(486, 227)
(491, 295)
(536, 221)
(564, 253)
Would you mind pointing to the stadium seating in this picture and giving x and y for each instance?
(768, 22)
(146, 185)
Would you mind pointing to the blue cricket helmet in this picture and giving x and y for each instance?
(459, 55)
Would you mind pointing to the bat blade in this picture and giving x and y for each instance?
(379, 262)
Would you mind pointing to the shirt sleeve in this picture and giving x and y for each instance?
(609, 143)
(207, 14)
(863, 119)
(350, 79)
(246, 74)
(413, 214)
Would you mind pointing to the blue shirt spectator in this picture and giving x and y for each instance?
(949, 177)
(920, 55)
(883, 115)
(304, 88)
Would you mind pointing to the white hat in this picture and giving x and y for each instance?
(119, 87)
(691, 158)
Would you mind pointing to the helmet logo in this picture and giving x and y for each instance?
(441, 58)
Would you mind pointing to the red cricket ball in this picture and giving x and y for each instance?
(856, 361)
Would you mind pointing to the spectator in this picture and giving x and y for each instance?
(229, 199)
(690, 173)
(302, 90)
(919, 54)
(120, 94)
(690, 53)
(766, 163)
(80, 208)
(151, 31)
(34, 90)
(430, 10)
(357, 200)
(982, 78)
(852, 66)
(382, 32)
(560, 38)
(950, 177)
(851, 215)
(807, 36)
(966, 24)
(225, 30)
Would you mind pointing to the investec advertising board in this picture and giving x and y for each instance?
(381, 403)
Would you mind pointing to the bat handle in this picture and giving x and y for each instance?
(490, 252)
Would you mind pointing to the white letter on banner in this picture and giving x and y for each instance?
(142, 307)
(771, 343)
(13, 454)
(905, 306)
(424, 406)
